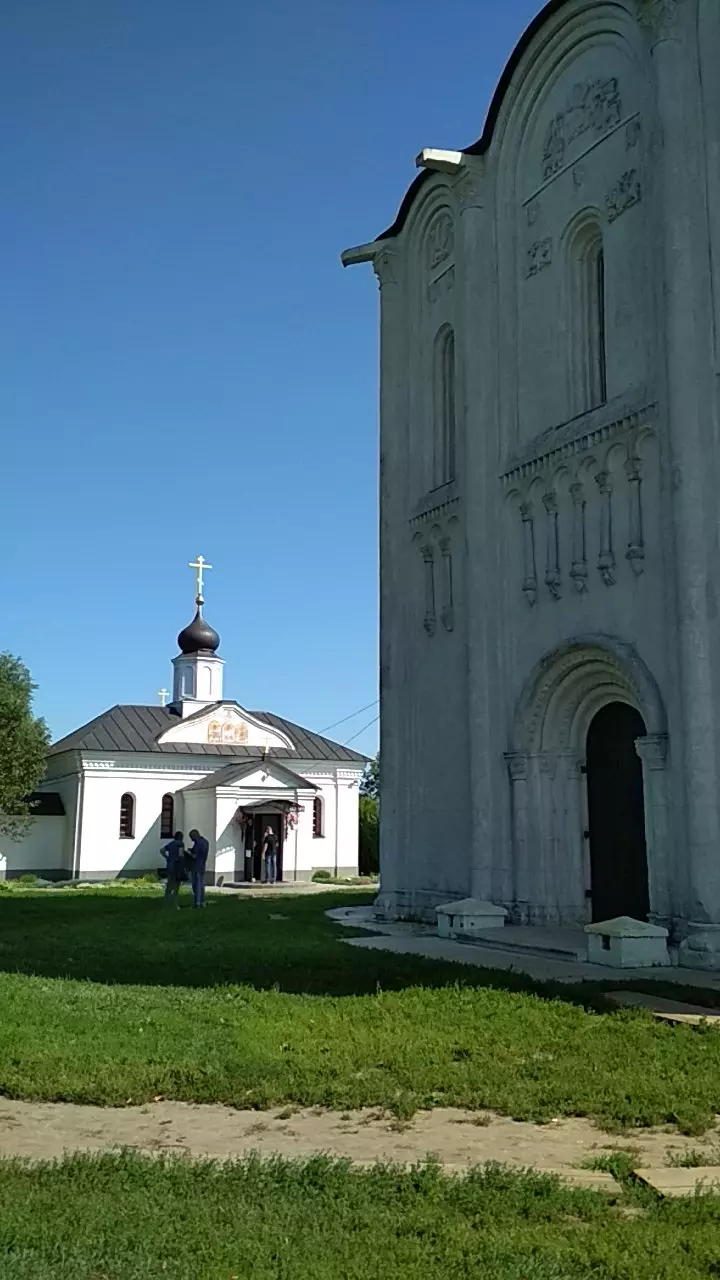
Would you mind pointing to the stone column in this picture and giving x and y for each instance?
(530, 579)
(579, 570)
(606, 558)
(691, 409)
(653, 750)
(522, 892)
(552, 556)
(394, 746)
(447, 612)
(635, 554)
(430, 622)
(476, 347)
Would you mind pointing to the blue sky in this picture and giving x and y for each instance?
(184, 366)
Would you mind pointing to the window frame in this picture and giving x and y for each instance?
(129, 797)
(167, 829)
(318, 818)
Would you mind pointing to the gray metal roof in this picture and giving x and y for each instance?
(230, 774)
(137, 729)
(46, 804)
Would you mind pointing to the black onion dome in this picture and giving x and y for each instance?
(199, 636)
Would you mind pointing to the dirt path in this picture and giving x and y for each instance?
(41, 1131)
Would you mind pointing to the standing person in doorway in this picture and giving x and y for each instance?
(174, 855)
(198, 856)
(269, 857)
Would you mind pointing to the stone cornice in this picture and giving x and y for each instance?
(435, 505)
(602, 426)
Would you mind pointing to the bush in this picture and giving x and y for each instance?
(369, 847)
(322, 876)
(28, 878)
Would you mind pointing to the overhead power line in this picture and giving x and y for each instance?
(352, 717)
(361, 731)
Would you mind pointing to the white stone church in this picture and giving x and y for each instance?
(550, 469)
(117, 788)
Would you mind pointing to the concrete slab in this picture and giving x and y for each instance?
(681, 1182)
(665, 1010)
(566, 944)
(543, 969)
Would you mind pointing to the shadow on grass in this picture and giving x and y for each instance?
(286, 944)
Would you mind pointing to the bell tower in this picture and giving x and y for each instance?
(198, 671)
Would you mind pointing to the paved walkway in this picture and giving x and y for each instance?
(422, 940)
(458, 1139)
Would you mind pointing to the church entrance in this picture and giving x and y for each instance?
(616, 813)
(259, 825)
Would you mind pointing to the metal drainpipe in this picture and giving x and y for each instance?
(77, 841)
(337, 821)
(297, 824)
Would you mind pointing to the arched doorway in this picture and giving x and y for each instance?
(616, 813)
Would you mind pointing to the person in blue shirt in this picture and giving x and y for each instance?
(174, 855)
(198, 856)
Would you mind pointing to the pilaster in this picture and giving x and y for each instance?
(690, 414)
(394, 745)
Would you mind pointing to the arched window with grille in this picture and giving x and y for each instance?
(586, 318)
(318, 818)
(444, 452)
(127, 817)
(167, 817)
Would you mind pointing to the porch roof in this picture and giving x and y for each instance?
(233, 774)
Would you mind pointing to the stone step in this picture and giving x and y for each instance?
(554, 944)
(680, 1182)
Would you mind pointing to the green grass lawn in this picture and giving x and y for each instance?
(107, 998)
(129, 1218)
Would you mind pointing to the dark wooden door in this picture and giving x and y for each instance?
(616, 811)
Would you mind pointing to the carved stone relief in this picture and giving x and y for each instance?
(444, 284)
(626, 192)
(539, 256)
(385, 267)
(658, 17)
(440, 240)
(439, 249)
(593, 107)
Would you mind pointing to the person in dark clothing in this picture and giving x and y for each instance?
(174, 855)
(198, 855)
(269, 856)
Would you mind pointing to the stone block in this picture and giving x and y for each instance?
(625, 943)
(468, 917)
(701, 948)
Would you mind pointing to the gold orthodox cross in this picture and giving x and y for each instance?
(200, 565)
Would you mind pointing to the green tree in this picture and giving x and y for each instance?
(24, 741)
(369, 849)
(370, 785)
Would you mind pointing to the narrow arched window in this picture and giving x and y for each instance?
(318, 826)
(587, 323)
(444, 437)
(127, 817)
(167, 818)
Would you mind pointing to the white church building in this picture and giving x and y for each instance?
(118, 787)
(550, 470)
